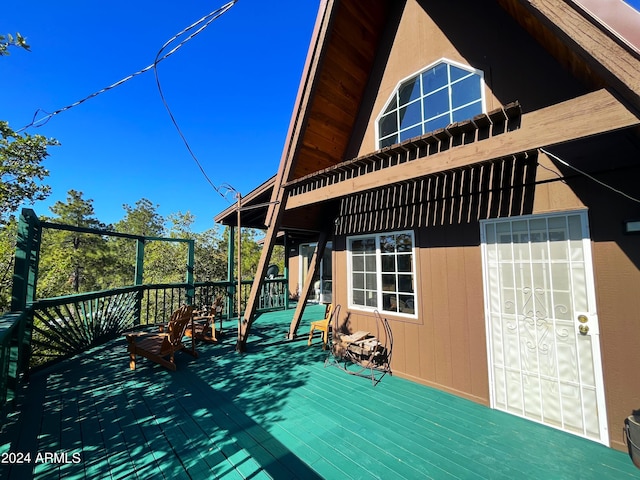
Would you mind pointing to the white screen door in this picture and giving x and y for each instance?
(542, 325)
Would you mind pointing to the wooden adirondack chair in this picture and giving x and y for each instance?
(204, 327)
(158, 346)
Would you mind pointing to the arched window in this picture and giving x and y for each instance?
(441, 94)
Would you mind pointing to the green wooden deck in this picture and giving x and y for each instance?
(274, 412)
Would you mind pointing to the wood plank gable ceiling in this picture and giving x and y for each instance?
(343, 73)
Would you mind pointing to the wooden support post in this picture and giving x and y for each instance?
(308, 283)
(261, 271)
(280, 195)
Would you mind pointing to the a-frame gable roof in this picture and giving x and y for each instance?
(348, 33)
(347, 38)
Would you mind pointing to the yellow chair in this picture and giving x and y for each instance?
(322, 326)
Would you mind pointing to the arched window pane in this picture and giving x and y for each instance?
(410, 115)
(411, 133)
(465, 91)
(436, 104)
(387, 142)
(409, 91)
(430, 100)
(434, 78)
(467, 112)
(392, 105)
(436, 123)
(457, 73)
(388, 124)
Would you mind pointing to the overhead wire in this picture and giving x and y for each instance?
(208, 20)
(199, 25)
(590, 177)
(38, 122)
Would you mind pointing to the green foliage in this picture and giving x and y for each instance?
(21, 169)
(210, 255)
(142, 219)
(72, 262)
(9, 40)
(7, 252)
(166, 262)
(251, 251)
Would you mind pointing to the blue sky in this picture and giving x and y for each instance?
(231, 89)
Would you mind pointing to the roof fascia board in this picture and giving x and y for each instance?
(615, 62)
(617, 17)
(319, 40)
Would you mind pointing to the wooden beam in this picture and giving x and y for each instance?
(252, 303)
(294, 136)
(591, 114)
(302, 107)
(308, 282)
(596, 42)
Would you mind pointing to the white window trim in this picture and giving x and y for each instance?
(462, 66)
(379, 292)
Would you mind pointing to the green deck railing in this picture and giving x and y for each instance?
(55, 328)
(13, 355)
(40, 331)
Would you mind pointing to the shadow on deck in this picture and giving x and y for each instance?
(274, 412)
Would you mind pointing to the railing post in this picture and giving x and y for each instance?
(25, 273)
(139, 275)
(16, 357)
(23, 292)
(139, 262)
(190, 263)
(285, 272)
(230, 259)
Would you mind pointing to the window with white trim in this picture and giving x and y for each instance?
(441, 94)
(382, 272)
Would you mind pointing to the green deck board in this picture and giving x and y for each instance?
(247, 433)
(117, 447)
(391, 444)
(409, 418)
(434, 444)
(145, 440)
(276, 412)
(177, 441)
(368, 458)
(225, 448)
